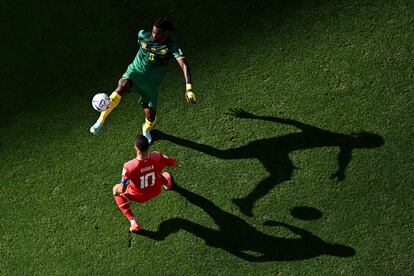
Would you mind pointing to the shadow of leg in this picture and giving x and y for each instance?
(245, 205)
(165, 229)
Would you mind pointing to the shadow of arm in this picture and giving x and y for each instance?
(293, 229)
(344, 157)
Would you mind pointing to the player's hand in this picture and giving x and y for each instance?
(118, 189)
(190, 96)
(176, 164)
(240, 113)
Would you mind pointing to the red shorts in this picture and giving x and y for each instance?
(141, 196)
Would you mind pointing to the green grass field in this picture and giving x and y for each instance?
(290, 94)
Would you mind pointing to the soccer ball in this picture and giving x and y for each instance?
(101, 102)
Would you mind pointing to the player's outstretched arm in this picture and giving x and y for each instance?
(189, 93)
(171, 162)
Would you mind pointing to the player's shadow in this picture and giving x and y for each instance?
(239, 238)
(274, 152)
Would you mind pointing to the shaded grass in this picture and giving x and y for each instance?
(340, 66)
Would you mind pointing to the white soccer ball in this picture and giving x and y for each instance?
(101, 102)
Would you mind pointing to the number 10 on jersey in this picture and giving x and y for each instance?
(148, 179)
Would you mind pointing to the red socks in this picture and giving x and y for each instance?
(123, 204)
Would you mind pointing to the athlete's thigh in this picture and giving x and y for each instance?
(149, 96)
(129, 78)
(124, 86)
(145, 85)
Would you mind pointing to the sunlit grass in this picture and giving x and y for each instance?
(310, 73)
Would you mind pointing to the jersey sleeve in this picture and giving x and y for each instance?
(140, 36)
(125, 173)
(162, 160)
(176, 51)
(169, 161)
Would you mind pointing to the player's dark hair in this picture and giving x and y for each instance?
(164, 24)
(141, 142)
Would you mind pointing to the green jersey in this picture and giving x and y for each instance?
(152, 55)
(150, 66)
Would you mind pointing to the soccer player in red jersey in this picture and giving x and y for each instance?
(142, 178)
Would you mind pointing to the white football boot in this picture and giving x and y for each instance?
(95, 128)
(147, 134)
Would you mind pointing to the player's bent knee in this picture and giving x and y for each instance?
(123, 86)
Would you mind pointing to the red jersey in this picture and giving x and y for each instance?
(145, 178)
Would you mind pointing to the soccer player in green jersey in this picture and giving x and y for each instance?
(147, 71)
